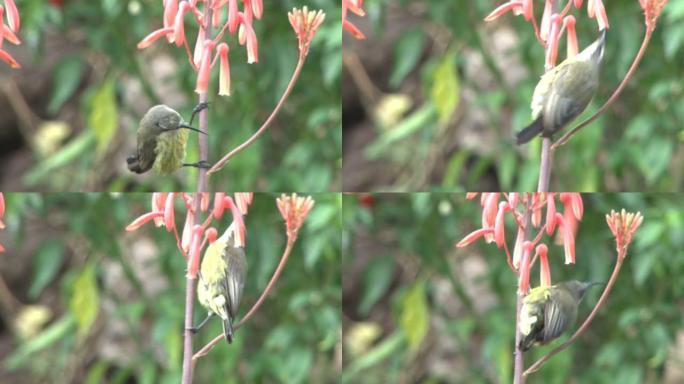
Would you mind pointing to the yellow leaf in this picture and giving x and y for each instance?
(415, 315)
(104, 117)
(85, 299)
(445, 91)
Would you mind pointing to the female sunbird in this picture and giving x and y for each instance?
(547, 312)
(162, 139)
(564, 92)
(222, 278)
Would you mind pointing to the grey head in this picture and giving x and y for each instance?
(578, 288)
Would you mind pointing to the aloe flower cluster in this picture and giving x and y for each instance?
(9, 30)
(225, 17)
(623, 225)
(195, 235)
(534, 215)
(554, 22)
(355, 7)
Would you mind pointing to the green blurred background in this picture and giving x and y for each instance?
(418, 310)
(69, 116)
(433, 96)
(82, 301)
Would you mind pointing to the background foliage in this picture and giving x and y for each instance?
(416, 309)
(86, 87)
(448, 92)
(101, 305)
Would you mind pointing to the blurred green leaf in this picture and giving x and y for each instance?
(377, 277)
(415, 316)
(85, 299)
(412, 123)
(46, 263)
(71, 151)
(407, 52)
(45, 339)
(446, 90)
(67, 79)
(387, 348)
(103, 118)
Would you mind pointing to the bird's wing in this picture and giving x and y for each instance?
(541, 92)
(236, 269)
(554, 321)
(571, 94)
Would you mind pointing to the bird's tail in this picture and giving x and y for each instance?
(527, 342)
(530, 132)
(228, 329)
(133, 163)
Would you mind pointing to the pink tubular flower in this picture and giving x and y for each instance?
(154, 36)
(568, 239)
(211, 234)
(179, 24)
(524, 275)
(471, 195)
(515, 6)
(224, 72)
(474, 236)
(596, 8)
(204, 72)
(158, 205)
(499, 233)
(355, 7)
(141, 220)
(544, 270)
(546, 21)
(13, 18)
(237, 219)
(8, 32)
(513, 199)
(305, 24)
(186, 236)
(169, 214)
(7, 58)
(248, 37)
(170, 10)
(572, 46)
(294, 210)
(489, 211)
(194, 254)
(243, 200)
(573, 203)
(550, 213)
(518, 249)
(217, 212)
(554, 36)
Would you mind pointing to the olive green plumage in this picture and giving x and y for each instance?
(222, 279)
(547, 312)
(564, 92)
(162, 140)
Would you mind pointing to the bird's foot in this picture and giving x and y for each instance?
(200, 164)
(198, 108)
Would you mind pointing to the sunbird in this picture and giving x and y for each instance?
(564, 92)
(221, 280)
(162, 139)
(547, 312)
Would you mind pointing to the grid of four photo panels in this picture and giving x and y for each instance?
(341, 191)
